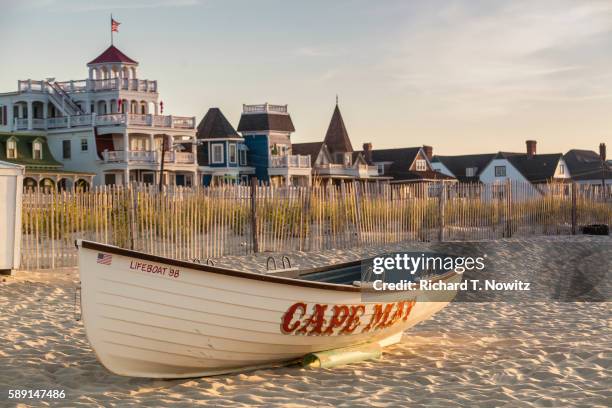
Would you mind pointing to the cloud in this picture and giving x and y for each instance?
(494, 61)
(315, 51)
(82, 5)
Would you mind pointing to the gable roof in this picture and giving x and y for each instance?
(537, 168)
(250, 122)
(24, 152)
(458, 164)
(401, 159)
(311, 149)
(337, 138)
(214, 125)
(586, 165)
(112, 54)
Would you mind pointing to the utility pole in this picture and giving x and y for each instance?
(161, 166)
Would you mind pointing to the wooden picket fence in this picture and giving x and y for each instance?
(201, 223)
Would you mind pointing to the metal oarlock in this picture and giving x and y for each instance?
(78, 313)
(270, 258)
(288, 265)
(208, 261)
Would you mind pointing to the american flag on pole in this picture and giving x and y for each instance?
(104, 259)
(114, 25)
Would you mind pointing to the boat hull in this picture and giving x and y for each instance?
(153, 317)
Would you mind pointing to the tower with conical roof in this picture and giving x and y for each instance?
(337, 139)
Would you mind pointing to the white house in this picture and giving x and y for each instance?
(110, 123)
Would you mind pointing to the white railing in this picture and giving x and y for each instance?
(38, 123)
(113, 156)
(183, 122)
(21, 124)
(264, 107)
(138, 119)
(179, 157)
(147, 156)
(112, 119)
(184, 157)
(54, 123)
(91, 85)
(293, 160)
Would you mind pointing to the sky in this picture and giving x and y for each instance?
(465, 76)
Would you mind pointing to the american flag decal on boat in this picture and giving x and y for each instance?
(104, 259)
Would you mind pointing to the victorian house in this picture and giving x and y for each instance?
(222, 153)
(41, 168)
(266, 130)
(334, 160)
(405, 165)
(588, 167)
(110, 124)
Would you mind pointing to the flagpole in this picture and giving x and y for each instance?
(111, 28)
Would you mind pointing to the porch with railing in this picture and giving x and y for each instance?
(291, 160)
(147, 156)
(149, 120)
(91, 85)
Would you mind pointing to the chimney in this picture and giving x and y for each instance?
(602, 152)
(531, 147)
(367, 152)
(428, 151)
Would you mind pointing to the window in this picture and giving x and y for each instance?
(3, 118)
(421, 165)
(66, 149)
(37, 151)
(148, 178)
(11, 149)
(471, 171)
(561, 169)
(232, 153)
(217, 153)
(84, 145)
(381, 169)
(500, 171)
(243, 157)
(109, 179)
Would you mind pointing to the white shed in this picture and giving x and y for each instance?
(11, 185)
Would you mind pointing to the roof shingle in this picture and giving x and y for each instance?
(112, 54)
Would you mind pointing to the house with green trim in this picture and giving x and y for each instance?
(41, 168)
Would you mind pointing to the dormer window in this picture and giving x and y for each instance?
(347, 159)
(380, 168)
(421, 165)
(11, 149)
(470, 171)
(37, 151)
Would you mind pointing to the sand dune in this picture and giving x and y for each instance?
(471, 354)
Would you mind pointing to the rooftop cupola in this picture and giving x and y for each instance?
(112, 63)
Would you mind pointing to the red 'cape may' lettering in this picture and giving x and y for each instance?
(300, 319)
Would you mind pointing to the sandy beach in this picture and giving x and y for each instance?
(471, 354)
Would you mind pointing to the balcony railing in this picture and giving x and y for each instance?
(264, 107)
(293, 161)
(92, 85)
(164, 121)
(147, 156)
(361, 170)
